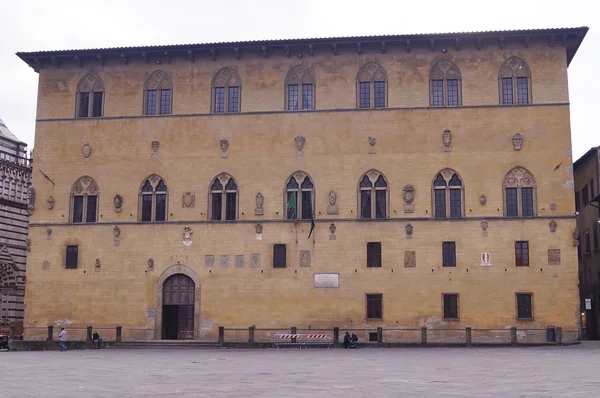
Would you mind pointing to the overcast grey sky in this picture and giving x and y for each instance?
(31, 25)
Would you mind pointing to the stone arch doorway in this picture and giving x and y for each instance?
(177, 314)
(178, 308)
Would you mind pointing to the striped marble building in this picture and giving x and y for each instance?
(15, 185)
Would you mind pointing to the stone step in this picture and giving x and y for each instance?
(165, 344)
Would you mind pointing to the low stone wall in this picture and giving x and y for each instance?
(35, 345)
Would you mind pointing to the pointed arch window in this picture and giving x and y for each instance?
(299, 89)
(519, 193)
(373, 196)
(448, 195)
(84, 201)
(158, 94)
(371, 87)
(514, 82)
(153, 199)
(226, 92)
(223, 199)
(90, 97)
(299, 197)
(445, 85)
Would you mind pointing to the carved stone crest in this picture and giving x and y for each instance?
(409, 230)
(50, 203)
(209, 260)
(332, 228)
(517, 141)
(224, 261)
(116, 235)
(484, 228)
(299, 141)
(258, 228)
(447, 140)
(372, 142)
(552, 226)
(482, 199)
(187, 235)
(155, 145)
(486, 260)
(484, 225)
(151, 263)
(332, 208)
(408, 194)
(553, 256)
(118, 203)
(410, 259)
(305, 258)
(255, 260)
(239, 261)
(31, 202)
(46, 265)
(87, 151)
(188, 199)
(224, 146)
(49, 234)
(260, 200)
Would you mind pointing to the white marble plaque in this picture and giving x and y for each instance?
(327, 280)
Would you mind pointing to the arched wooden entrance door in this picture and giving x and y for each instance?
(178, 308)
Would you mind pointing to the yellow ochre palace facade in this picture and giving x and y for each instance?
(359, 182)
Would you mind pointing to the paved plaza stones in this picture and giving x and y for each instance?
(410, 372)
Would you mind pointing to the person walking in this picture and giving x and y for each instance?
(63, 339)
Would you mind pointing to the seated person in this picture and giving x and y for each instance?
(97, 340)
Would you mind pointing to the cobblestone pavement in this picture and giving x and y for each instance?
(403, 372)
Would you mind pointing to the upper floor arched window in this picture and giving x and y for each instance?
(226, 92)
(519, 193)
(445, 84)
(448, 195)
(84, 201)
(158, 94)
(514, 82)
(153, 199)
(90, 96)
(299, 89)
(299, 197)
(223, 198)
(371, 86)
(373, 195)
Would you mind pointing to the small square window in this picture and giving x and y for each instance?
(449, 254)
(374, 306)
(279, 256)
(524, 305)
(374, 254)
(450, 306)
(72, 257)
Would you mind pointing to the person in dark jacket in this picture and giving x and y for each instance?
(347, 340)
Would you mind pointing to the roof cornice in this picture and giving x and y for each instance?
(570, 38)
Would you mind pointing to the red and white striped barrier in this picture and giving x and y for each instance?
(308, 336)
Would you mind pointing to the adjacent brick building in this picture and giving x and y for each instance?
(436, 170)
(15, 183)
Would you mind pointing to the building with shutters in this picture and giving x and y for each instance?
(395, 181)
(587, 205)
(15, 183)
